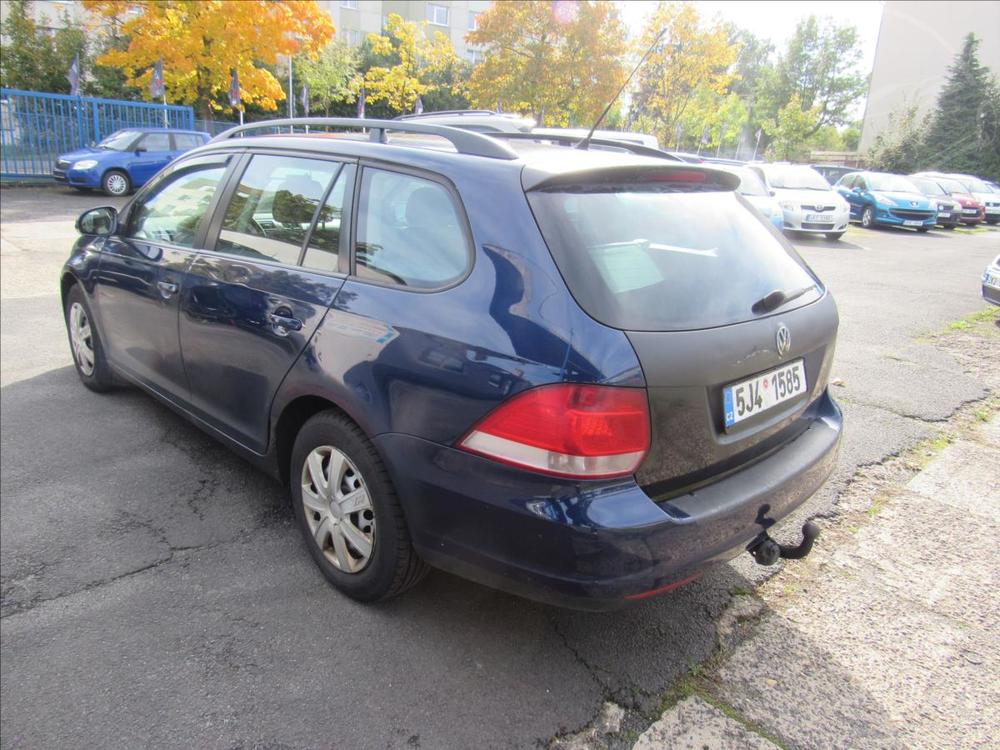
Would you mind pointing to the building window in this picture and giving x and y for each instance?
(351, 36)
(474, 56)
(437, 14)
(473, 20)
(349, 4)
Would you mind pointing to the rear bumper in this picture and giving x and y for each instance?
(590, 545)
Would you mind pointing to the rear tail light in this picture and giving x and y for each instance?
(566, 429)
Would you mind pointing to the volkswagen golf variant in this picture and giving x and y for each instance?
(578, 376)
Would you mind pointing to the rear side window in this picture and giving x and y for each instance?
(326, 239)
(273, 207)
(409, 232)
(652, 259)
(185, 141)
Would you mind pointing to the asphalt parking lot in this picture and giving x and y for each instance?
(156, 592)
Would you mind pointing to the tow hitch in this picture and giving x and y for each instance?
(766, 551)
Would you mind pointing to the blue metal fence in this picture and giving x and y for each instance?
(36, 127)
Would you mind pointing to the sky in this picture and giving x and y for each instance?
(775, 20)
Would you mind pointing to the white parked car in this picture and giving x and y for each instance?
(807, 201)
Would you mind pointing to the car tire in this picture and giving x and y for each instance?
(948, 226)
(360, 542)
(116, 183)
(834, 235)
(923, 229)
(868, 218)
(991, 222)
(85, 343)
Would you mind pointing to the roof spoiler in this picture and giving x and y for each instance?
(682, 176)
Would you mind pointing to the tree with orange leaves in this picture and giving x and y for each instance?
(202, 41)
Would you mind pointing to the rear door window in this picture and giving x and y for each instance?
(410, 232)
(154, 142)
(186, 141)
(651, 259)
(273, 206)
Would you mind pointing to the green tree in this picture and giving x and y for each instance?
(790, 129)
(900, 147)
(820, 68)
(964, 131)
(333, 77)
(32, 59)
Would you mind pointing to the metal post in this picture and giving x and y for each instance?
(166, 123)
(755, 146)
(291, 93)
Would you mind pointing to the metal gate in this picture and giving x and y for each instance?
(36, 127)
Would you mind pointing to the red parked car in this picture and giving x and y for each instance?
(973, 211)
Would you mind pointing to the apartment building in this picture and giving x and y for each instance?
(917, 42)
(355, 19)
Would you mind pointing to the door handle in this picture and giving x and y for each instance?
(167, 289)
(282, 324)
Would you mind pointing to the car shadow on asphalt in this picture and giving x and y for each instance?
(186, 529)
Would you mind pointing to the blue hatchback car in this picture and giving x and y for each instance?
(580, 376)
(126, 159)
(887, 199)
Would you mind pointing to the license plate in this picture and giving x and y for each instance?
(991, 280)
(913, 223)
(944, 215)
(755, 395)
(819, 217)
(970, 210)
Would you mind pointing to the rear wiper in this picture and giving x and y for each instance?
(773, 300)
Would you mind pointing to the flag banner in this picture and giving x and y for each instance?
(156, 86)
(304, 99)
(418, 108)
(73, 76)
(361, 104)
(235, 95)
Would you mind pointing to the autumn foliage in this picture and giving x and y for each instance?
(560, 61)
(201, 41)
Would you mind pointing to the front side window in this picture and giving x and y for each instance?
(437, 14)
(156, 142)
(409, 232)
(173, 210)
(273, 207)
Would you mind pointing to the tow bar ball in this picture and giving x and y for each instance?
(766, 551)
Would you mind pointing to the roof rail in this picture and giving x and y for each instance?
(573, 140)
(464, 141)
(451, 112)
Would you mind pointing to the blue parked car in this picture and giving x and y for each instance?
(126, 159)
(887, 199)
(581, 376)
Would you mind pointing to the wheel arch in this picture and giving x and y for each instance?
(293, 415)
(66, 282)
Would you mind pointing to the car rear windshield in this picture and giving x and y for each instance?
(649, 258)
(795, 177)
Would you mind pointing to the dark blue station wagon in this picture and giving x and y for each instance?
(575, 375)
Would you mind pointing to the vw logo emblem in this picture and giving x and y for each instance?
(784, 340)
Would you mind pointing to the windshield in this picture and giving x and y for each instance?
(750, 183)
(891, 182)
(646, 259)
(794, 177)
(952, 186)
(120, 141)
(928, 187)
(974, 185)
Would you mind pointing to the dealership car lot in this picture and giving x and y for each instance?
(154, 589)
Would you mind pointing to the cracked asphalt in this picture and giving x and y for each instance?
(155, 591)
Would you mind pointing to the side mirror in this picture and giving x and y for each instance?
(140, 150)
(856, 189)
(102, 221)
(772, 193)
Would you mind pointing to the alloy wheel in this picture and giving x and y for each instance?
(867, 217)
(116, 184)
(82, 338)
(338, 509)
